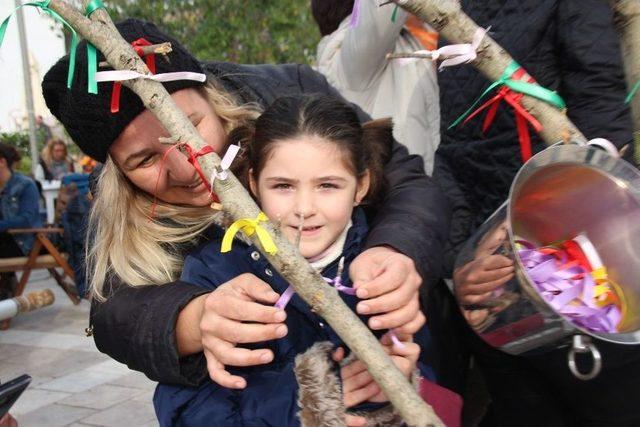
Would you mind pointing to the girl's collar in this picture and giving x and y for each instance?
(332, 253)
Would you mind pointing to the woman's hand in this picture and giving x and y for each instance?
(357, 383)
(237, 312)
(388, 282)
(476, 280)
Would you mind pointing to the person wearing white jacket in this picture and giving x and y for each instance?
(353, 58)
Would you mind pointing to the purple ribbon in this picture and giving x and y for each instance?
(336, 283)
(569, 290)
(285, 298)
(355, 14)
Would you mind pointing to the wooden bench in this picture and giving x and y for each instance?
(35, 260)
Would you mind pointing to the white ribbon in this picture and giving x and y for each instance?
(225, 164)
(454, 54)
(122, 75)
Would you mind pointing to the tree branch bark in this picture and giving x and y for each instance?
(626, 15)
(448, 19)
(322, 298)
(158, 49)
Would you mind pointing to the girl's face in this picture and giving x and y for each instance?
(138, 152)
(306, 179)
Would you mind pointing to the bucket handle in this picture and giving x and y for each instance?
(583, 344)
(606, 145)
(601, 143)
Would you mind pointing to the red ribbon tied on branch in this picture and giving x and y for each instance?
(522, 115)
(149, 59)
(192, 157)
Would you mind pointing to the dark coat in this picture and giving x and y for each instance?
(272, 390)
(136, 326)
(569, 46)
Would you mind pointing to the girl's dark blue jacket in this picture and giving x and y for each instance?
(271, 393)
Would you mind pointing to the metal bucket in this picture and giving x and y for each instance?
(563, 191)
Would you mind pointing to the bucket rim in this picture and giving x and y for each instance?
(587, 156)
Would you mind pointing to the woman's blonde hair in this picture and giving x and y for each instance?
(130, 243)
(47, 150)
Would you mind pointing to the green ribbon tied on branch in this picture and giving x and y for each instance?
(632, 92)
(92, 54)
(44, 6)
(526, 88)
(394, 14)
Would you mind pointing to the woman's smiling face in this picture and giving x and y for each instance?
(139, 153)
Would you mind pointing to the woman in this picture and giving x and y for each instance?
(18, 209)
(54, 160)
(164, 330)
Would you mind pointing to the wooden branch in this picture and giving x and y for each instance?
(447, 18)
(156, 49)
(237, 202)
(626, 16)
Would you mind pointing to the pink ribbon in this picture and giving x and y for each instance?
(454, 54)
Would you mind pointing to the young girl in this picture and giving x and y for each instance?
(310, 164)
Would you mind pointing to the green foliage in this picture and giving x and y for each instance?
(242, 31)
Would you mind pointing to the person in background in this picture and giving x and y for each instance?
(352, 55)
(43, 131)
(18, 209)
(54, 160)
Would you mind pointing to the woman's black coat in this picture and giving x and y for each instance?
(136, 326)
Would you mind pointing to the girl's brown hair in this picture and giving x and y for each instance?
(365, 147)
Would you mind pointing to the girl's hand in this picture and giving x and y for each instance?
(358, 385)
(476, 280)
(388, 282)
(236, 313)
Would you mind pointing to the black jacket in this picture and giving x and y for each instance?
(567, 45)
(136, 326)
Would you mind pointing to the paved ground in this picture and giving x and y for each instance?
(73, 384)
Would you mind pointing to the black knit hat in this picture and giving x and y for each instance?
(88, 117)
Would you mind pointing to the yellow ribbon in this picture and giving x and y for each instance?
(607, 292)
(248, 227)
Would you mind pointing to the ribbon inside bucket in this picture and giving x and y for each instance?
(575, 229)
(571, 278)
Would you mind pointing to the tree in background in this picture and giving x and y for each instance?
(243, 31)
